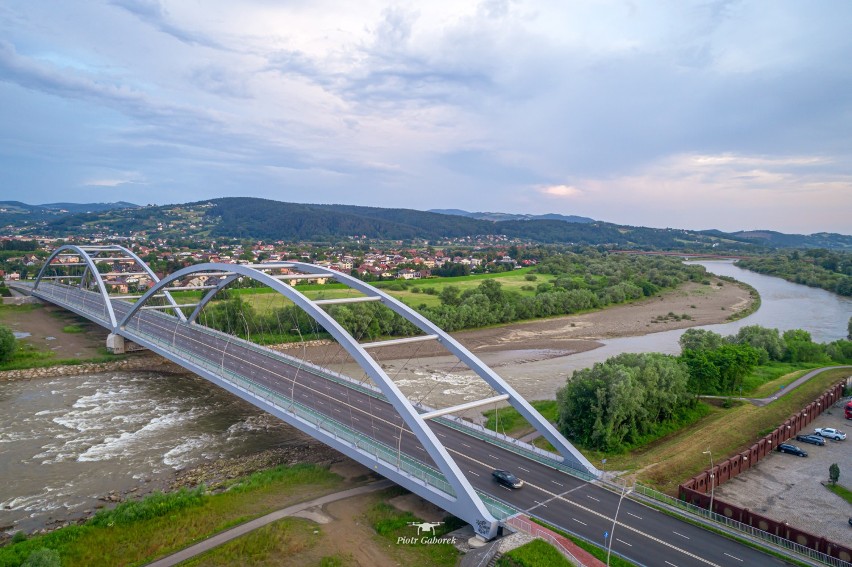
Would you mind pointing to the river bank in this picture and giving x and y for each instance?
(145, 361)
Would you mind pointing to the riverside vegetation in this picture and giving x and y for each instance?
(636, 410)
(567, 283)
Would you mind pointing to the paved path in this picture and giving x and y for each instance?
(242, 529)
(787, 389)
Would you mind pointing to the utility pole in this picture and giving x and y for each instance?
(712, 477)
(624, 492)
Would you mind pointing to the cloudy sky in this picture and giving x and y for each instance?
(731, 115)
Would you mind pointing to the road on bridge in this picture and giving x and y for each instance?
(643, 535)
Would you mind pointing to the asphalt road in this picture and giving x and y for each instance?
(642, 535)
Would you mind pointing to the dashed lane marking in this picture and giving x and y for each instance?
(681, 535)
(732, 557)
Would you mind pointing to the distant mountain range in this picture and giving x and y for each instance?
(14, 210)
(263, 219)
(498, 217)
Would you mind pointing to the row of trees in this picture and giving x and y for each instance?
(830, 270)
(718, 365)
(583, 281)
(616, 403)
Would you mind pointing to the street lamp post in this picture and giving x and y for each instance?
(624, 492)
(712, 477)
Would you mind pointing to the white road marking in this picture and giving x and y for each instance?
(681, 535)
(492, 456)
(670, 563)
(556, 483)
(634, 515)
(624, 542)
(465, 445)
(473, 473)
(579, 522)
(523, 469)
(732, 557)
(593, 498)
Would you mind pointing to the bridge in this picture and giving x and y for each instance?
(432, 452)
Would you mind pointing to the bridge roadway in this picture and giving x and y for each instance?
(643, 535)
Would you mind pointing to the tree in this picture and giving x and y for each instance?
(768, 342)
(834, 473)
(849, 329)
(616, 402)
(7, 344)
(700, 339)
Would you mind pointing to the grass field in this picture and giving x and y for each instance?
(137, 532)
(412, 293)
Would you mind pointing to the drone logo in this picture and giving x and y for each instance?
(425, 527)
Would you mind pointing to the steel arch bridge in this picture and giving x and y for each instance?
(74, 277)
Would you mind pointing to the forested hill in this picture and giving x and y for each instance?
(272, 220)
(263, 219)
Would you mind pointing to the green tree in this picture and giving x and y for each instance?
(450, 295)
(700, 339)
(7, 344)
(834, 473)
(616, 402)
(768, 342)
(43, 557)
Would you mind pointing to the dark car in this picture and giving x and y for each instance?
(507, 479)
(792, 449)
(812, 439)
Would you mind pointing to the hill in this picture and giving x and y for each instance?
(15, 211)
(509, 216)
(263, 219)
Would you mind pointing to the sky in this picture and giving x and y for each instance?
(735, 115)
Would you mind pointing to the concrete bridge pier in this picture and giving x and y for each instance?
(115, 344)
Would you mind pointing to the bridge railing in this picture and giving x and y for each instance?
(389, 455)
(687, 508)
(514, 445)
(74, 296)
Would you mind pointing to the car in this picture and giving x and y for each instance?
(792, 449)
(831, 433)
(812, 439)
(507, 479)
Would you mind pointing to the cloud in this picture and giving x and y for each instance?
(560, 191)
(152, 13)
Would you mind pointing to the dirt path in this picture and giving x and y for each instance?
(242, 529)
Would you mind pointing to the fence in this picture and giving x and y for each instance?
(695, 491)
(566, 547)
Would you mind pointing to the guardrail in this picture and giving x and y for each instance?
(751, 531)
(527, 526)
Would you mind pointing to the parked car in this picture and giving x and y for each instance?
(792, 449)
(507, 479)
(812, 439)
(831, 433)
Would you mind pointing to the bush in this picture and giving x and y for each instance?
(8, 342)
(43, 557)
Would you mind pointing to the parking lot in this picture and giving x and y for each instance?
(789, 488)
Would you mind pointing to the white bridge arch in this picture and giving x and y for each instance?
(461, 499)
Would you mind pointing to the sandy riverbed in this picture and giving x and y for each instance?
(531, 355)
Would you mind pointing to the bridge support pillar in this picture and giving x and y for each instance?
(115, 344)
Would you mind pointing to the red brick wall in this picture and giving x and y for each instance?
(696, 490)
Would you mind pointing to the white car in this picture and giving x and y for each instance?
(830, 433)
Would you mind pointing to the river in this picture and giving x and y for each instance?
(66, 442)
